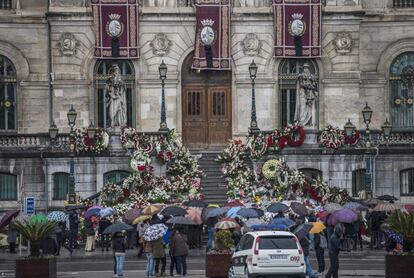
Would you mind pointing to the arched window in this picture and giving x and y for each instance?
(8, 187)
(8, 99)
(115, 176)
(311, 173)
(60, 186)
(402, 91)
(289, 70)
(101, 75)
(358, 181)
(407, 182)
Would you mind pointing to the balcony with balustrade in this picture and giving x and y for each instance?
(6, 4)
(401, 4)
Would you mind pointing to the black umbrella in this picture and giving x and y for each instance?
(196, 204)
(299, 208)
(75, 207)
(277, 207)
(117, 227)
(259, 212)
(248, 213)
(387, 198)
(174, 211)
(7, 217)
(302, 230)
(181, 220)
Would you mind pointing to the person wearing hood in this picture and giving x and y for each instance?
(334, 248)
(119, 247)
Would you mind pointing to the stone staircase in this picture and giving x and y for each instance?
(214, 187)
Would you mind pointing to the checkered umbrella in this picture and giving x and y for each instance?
(58, 216)
(155, 232)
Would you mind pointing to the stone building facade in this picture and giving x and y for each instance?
(51, 47)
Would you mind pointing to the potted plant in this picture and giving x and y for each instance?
(35, 265)
(400, 265)
(218, 261)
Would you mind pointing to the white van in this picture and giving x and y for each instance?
(268, 254)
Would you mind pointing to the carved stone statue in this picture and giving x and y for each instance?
(115, 93)
(306, 98)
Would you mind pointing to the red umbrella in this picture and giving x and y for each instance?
(235, 203)
(7, 217)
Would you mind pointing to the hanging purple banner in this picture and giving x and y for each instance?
(297, 28)
(212, 43)
(116, 28)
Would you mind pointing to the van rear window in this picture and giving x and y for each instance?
(279, 242)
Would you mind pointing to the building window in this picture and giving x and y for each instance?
(60, 186)
(115, 176)
(8, 187)
(402, 91)
(358, 181)
(407, 182)
(8, 100)
(289, 70)
(311, 173)
(102, 73)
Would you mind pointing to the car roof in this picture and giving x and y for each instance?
(270, 233)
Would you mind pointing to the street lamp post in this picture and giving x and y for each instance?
(253, 120)
(163, 75)
(72, 114)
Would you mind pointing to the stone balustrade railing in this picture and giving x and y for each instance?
(403, 3)
(5, 4)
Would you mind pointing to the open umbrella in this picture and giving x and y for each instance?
(132, 214)
(282, 221)
(332, 220)
(248, 213)
(259, 212)
(151, 209)
(269, 227)
(155, 232)
(174, 211)
(299, 208)
(141, 218)
(224, 225)
(387, 207)
(372, 202)
(7, 217)
(232, 212)
(194, 213)
(181, 220)
(387, 198)
(117, 227)
(277, 207)
(74, 207)
(93, 211)
(217, 212)
(196, 204)
(302, 230)
(235, 203)
(253, 221)
(345, 215)
(317, 227)
(331, 207)
(58, 216)
(355, 206)
(106, 212)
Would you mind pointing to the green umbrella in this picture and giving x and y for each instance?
(38, 218)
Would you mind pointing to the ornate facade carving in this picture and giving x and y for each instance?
(343, 43)
(253, 3)
(160, 44)
(68, 44)
(69, 3)
(162, 3)
(251, 45)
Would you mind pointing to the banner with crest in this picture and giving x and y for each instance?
(297, 28)
(212, 43)
(116, 28)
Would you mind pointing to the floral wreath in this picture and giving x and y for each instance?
(332, 137)
(97, 145)
(295, 134)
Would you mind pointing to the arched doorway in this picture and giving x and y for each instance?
(206, 106)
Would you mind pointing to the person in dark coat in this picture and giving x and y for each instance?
(179, 250)
(61, 236)
(12, 237)
(304, 242)
(48, 246)
(119, 247)
(158, 253)
(90, 235)
(320, 251)
(103, 224)
(73, 229)
(334, 248)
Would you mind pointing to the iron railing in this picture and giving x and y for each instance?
(403, 3)
(5, 4)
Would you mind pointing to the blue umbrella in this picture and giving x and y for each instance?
(283, 221)
(58, 216)
(248, 213)
(217, 212)
(233, 212)
(277, 207)
(355, 206)
(268, 227)
(93, 211)
(106, 212)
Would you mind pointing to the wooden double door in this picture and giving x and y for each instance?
(206, 115)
